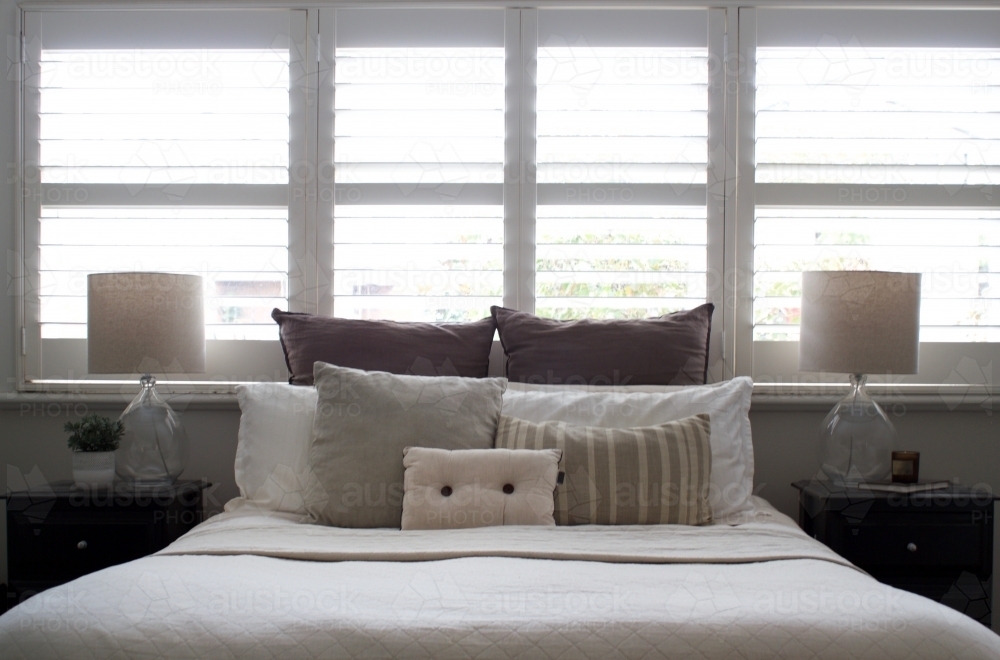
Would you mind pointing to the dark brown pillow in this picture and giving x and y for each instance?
(666, 350)
(420, 349)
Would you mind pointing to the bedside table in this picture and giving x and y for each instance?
(60, 532)
(938, 544)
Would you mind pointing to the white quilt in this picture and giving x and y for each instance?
(255, 587)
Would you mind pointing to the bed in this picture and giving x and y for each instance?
(264, 580)
(252, 586)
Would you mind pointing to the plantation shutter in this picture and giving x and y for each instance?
(161, 141)
(877, 146)
(622, 163)
(418, 151)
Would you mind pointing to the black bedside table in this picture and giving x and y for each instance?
(60, 532)
(938, 544)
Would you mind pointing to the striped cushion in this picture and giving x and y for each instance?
(638, 476)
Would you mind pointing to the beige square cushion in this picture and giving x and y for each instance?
(364, 420)
(478, 487)
(637, 476)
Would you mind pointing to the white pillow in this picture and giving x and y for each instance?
(727, 403)
(272, 458)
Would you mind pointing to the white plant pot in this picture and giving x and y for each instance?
(93, 468)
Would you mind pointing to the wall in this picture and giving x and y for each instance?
(8, 122)
(953, 444)
(8, 86)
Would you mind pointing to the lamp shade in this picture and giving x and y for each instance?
(860, 322)
(145, 322)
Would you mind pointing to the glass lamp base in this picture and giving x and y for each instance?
(856, 439)
(155, 445)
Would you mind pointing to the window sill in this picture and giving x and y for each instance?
(894, 397)
(766, 396)
(79, 398)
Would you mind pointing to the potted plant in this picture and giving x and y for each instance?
(94, 440)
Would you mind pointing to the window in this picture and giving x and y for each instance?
(423, 164)
(876, 144)
(219, 243)
(961, 265)
(601, 117)
(622, 154)
(161, 141)
(418, 150)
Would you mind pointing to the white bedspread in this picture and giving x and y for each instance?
(772, 537)
(227, 590)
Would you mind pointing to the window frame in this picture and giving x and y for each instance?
(718, 171)
(329, 191)
(730, 199)
(943, 366)
(519, 188)
(227, 361)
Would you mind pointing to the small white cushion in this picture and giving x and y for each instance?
(727, 403)
(454, 489)
(272, 457)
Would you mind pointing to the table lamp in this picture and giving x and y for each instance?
(147, 323)
(859, 323)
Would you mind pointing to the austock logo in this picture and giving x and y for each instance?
(287, 490)
(275, 598)
(437, 595)
(702, 596)
(39, 498)
(970, 596)
(834, 62)
(430, 596)
(435, 165)
(447, 394)
(157, 596)
(576, 65)
(979, 379)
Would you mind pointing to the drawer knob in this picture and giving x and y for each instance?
(82, 545)
(912, 547)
